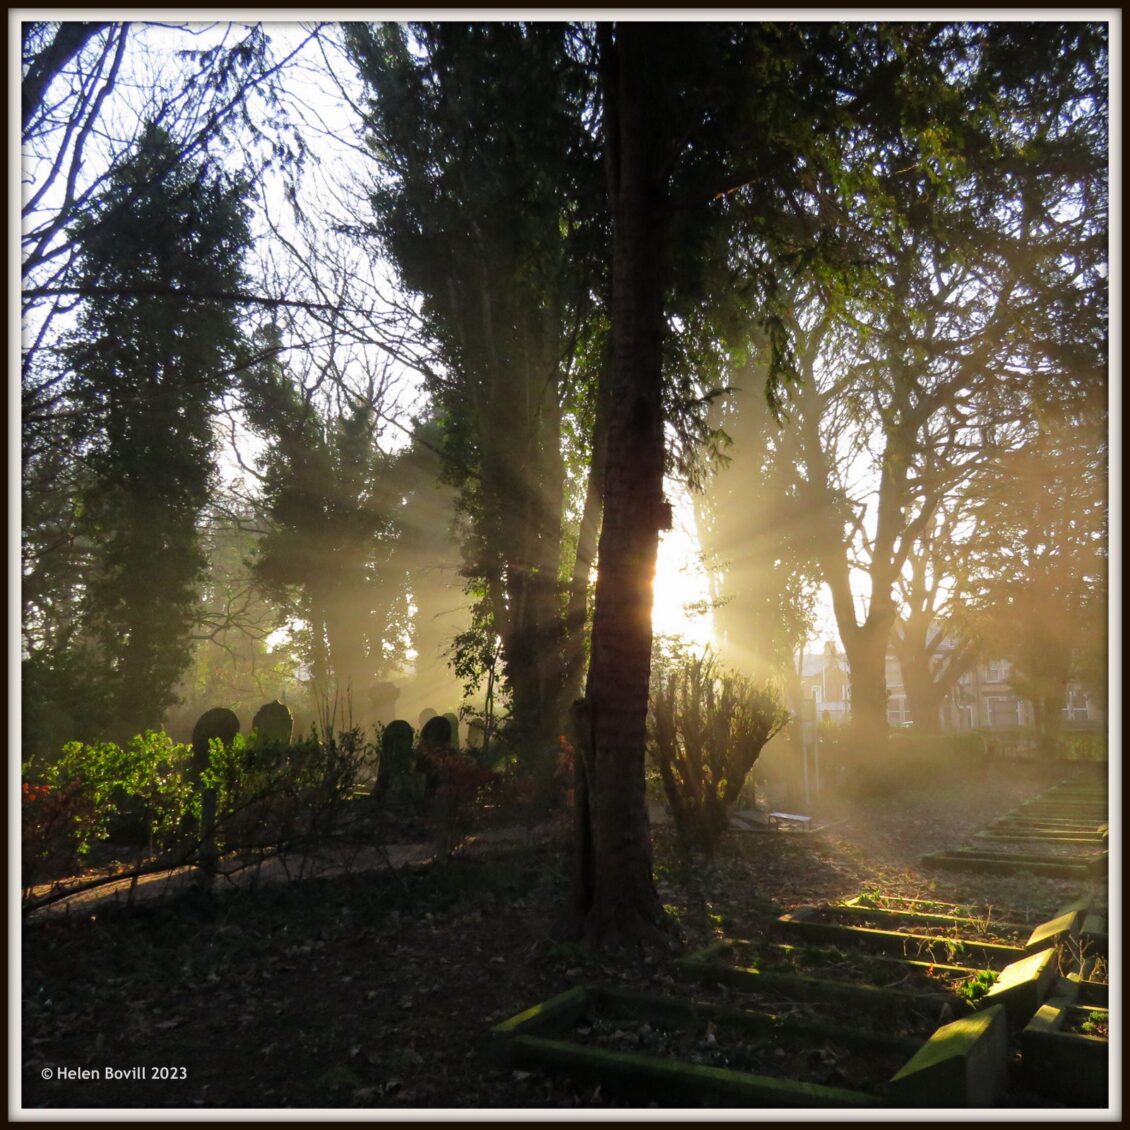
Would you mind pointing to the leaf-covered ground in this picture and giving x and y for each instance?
(377, 989)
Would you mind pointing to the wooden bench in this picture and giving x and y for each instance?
(778, 819)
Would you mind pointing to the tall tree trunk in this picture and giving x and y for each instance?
(930, 670)
(615, 897)
(924, 689)
(1048, 709)
(924, 695)
(576, 611)
(866, 651)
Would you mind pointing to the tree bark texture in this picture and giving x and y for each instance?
(576, 614)
(616, 894)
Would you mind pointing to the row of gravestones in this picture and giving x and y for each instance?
(400, 759)
(404, 765)
(476, 730)
(403, 761)
(273, 724)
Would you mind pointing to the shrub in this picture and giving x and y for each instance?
(52, 821)
(71, 810)
(1083, 745)
(707, 727)
(268, 795)
(456, 784)
(265, 795)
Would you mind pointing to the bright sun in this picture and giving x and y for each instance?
(680, 581)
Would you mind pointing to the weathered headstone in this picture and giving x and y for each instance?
(453, 719)
(273, 724)
(219, 722)
(436, 733)
(435, 739)
(476, 733)
(426, 715)
(396, 758)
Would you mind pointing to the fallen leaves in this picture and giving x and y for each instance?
(406, 1002)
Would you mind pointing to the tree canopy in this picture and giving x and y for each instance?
(387, 301)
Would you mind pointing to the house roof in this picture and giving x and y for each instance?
(813, 665)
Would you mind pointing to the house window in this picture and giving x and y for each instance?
(1075, 706)
(1003, 710)
(995, 671)
(895, 711)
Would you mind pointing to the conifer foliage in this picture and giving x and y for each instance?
(145, 367)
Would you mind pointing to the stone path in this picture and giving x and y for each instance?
(336, 860)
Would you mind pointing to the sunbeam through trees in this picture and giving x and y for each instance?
(570, 427)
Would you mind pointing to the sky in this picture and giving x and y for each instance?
(326, 115)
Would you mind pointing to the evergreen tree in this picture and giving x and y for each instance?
(144, 373)
(488, 203)
(713, 138)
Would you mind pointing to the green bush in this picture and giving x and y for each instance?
(265, 795)
(1083, 745)
(706, 728)
(71, 808)
(151, 770)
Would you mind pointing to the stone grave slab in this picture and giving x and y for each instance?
(540, 1038)
(803, 922)
(1069, 1066)
(964, 1064)
(1022, 986)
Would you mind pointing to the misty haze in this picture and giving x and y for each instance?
(565, 565)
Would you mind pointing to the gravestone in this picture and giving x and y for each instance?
(476, 733)
(453, 719)
(396, 759)
(426, 715)
(219, 722)
(436, 733)
(435, 738)
(273, 723)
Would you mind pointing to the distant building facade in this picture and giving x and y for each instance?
(982, 698)
(825, 680)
